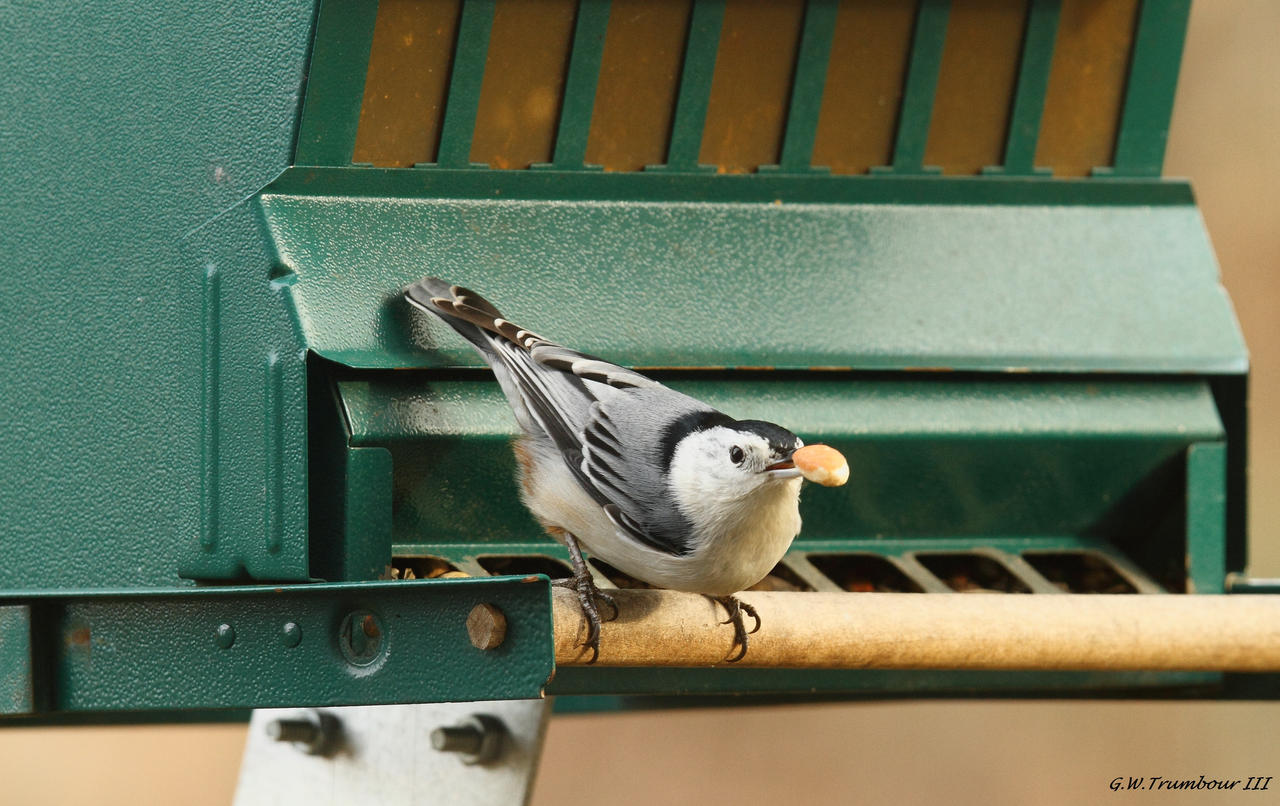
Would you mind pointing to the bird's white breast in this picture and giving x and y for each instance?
(734, 549)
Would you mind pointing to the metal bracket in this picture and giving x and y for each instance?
(387, 754)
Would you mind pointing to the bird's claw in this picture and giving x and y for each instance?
(735, 608)
(589, 599)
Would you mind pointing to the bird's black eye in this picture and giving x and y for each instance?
(735, 455)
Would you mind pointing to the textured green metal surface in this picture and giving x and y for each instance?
(234, 647)
(253, 409)
(1028, 100)
(17, 666)
(123, 132)
(918, 93)
(782, 285)
(929, 457)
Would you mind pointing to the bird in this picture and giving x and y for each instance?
(656, 483)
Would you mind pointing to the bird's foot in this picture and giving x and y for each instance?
(589, 599)
(735, 608)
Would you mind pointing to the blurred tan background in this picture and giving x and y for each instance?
(1224, 136)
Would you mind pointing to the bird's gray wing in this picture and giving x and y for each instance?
(624, 460)
(559, 390)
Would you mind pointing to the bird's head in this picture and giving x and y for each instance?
(722, 470)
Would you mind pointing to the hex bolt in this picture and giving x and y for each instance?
(314, 732)
(458, 739)
(479, 739)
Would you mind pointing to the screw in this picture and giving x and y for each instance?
(314, 732)
(486, 626)
(480, 739)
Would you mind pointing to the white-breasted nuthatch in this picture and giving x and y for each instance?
(662, 486)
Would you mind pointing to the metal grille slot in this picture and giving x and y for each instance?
(525, 564)
(1079, 572)
(972, 573)
(864, 573)
(422, 567)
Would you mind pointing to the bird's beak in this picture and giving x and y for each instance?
(780, 471)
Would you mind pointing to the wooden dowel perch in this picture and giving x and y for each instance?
(935, 631)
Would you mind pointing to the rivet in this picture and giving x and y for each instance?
(486, 626)
(291, 635)
(225, 636)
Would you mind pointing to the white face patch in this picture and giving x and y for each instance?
(739, 512)
(704, 476)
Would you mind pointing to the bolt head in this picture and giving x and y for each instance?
(486, 626)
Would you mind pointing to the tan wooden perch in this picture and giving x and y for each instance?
(936, 631)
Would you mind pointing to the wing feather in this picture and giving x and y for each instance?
(559, 388)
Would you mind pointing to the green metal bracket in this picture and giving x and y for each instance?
(256, 647)
(701, 48)
(922, 84)
(252, 423)
(469, 57)
(1033, 83)
(335, 83)
(580, 88)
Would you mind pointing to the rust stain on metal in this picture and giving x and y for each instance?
(80, 636)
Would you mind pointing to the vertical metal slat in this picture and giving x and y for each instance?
(1206, 516)
(807, 83)
(470, 53)
(580, 87)
(922, 83)
(701, 48)
(1153, 79)
(1034, 67)
(335, 83)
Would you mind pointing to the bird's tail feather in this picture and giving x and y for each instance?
(480, 322)
(467, 312)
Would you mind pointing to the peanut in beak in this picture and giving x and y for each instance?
(822, 464)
